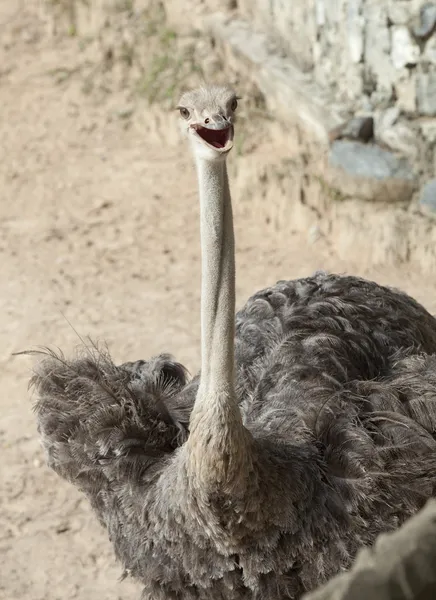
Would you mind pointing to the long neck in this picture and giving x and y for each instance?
(217, 280)
(218, 439)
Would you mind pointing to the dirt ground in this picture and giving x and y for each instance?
(99, 232)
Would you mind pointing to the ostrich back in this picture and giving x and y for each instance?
(336, 378)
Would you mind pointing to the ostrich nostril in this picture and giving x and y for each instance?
(207, 120)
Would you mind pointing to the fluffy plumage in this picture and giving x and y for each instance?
(336, 383)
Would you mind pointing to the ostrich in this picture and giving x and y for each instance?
(310, 429)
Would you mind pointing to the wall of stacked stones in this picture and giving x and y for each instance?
(374, 59)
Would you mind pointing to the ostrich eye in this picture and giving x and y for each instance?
(184, 112)
(234, 104)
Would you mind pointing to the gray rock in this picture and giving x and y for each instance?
(333, 11)
(400, 11)
(400, 137)
(396, 135)
(378, 46)
(429, 53)
(383, 95)
(320, 12)
(427, 18)
(426, 93)
(354, 89)
(427, 199)
(370, 173)
(428, 130)
(405, 51)
(368, 161)
(387, 118)
(405, 89)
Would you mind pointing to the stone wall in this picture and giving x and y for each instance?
(369, 52)
(342, 59)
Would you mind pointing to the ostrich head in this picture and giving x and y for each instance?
(207, 116)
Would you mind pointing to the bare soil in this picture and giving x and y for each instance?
(99, 232)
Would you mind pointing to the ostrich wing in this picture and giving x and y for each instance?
(346, 327)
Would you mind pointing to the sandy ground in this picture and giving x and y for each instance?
(99, 229)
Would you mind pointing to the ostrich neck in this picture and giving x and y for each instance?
(217, 279)
(218, 441)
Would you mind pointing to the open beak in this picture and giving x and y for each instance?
(219, 139)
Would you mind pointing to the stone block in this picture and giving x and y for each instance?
(400, 137)
(378, 45)
(368, 172)
(386, 118)
(429, 54)
(355, 30)
(320, 13)
(427, 21)
(353, 80)
(405, 88)
(405, 51)
(428, 130)
(400, 12)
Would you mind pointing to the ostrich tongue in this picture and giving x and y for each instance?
(214, 137)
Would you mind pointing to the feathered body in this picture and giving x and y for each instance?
(336, 384)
